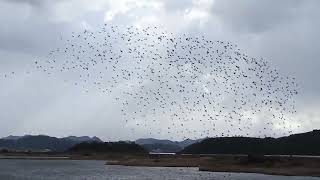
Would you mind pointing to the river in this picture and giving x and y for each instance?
(13, 169)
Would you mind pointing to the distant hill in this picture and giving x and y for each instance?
(107, 147)
(42, 142)
(189, 142)
(12, 137)
(83, 139)
(164, 146)
(297, 144)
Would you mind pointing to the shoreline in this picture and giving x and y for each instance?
(269, 165)
(276, 172)
(282, 166)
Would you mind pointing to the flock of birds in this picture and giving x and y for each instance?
(177, 84)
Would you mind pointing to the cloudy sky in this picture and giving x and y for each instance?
(286, 33)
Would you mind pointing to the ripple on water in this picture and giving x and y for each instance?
(96, 170)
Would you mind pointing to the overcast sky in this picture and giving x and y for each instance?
(286, 33)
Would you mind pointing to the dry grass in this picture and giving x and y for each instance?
(270, 165)
(158, 160)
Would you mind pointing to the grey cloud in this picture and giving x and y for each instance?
(175, 5)
(258, 16)
(34, 3)
(283, 32)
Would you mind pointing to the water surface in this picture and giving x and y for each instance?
(97, 170)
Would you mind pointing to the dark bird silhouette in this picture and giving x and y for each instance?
(187, 83)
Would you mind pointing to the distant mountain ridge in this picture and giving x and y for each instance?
(297, 144)
(165, 146)
(83, 139)
(107, 147)
(43, 142)
(12, 137)
(73, 138)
